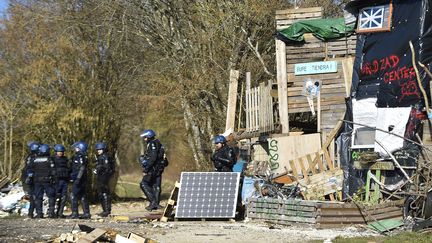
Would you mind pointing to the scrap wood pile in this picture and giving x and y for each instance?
(83, 233)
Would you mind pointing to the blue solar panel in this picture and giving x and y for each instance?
(207, 195)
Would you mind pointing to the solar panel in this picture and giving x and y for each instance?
(207, 195)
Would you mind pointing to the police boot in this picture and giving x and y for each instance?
(157, 193)
(148, 191)
(60, 206)
(86, 208)
(31, 207)
(74, 206)
(101, 199)
(51, 207)
(106, 205)
(38, 207)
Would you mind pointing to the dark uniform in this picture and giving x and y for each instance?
(63, 170)
(152, 165)
(104, 171)
(43, 170)
(224, 159)
(79, 179)
(27, 178)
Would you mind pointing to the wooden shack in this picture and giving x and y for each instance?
(269, 105)
(335, 86)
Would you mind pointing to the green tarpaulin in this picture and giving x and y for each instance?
(324, 29)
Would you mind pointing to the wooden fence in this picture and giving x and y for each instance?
(259, 108)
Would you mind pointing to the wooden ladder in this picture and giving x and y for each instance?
(171, 204)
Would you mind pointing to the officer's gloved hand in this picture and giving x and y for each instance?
(53, 181)
(28, 180)
(95, 171)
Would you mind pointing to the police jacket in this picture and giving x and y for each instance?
(104, 165)
(79, 167)
(151, 159)
(62, 166)
(28, 161)
(224, 159)
(43, 169)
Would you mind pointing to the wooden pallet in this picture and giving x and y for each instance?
(281, 211)
(171, 204)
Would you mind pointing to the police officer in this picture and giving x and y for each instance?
(63, 170)
(43, 170)
(152, 165)
(224, 156)
(104, 170)
(79, 179)
(27, 176)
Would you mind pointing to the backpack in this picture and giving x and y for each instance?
(162, 157)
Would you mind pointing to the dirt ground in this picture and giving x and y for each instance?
(22, 229)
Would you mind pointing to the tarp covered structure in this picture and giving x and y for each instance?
(323, 29)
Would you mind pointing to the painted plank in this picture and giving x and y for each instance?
(290, 148)
(380, 165)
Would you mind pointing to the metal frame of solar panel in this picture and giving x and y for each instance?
(207, 195)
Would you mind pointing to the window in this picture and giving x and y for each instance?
(375, 19)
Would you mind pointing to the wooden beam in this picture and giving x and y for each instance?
(347, 68)
(232, 99)
(282, 84)
(248, 102)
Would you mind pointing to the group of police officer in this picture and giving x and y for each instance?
(50, 175)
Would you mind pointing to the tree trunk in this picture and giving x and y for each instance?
(10, 149)
(194, 139)
(5, 157)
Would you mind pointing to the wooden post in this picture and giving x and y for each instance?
(282, 85)
(319, 112)
(270, 106)
(347, 68)
(240, 107)
(232, 99)
(248, 101)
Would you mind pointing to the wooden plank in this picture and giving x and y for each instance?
(388, 215)
(379, 165)
(290, 148)
(92, 236)
(248, 101)
(302, 167)
(342, 220)
(320, 163)
(298, 11)
(311, 164)
(282, 212)
(232, 99)
(285, 201)
(252, 205)
(328, 159)
(295, 56)
(347, 68)
(294, 169)
(280, 217)
(282, 85)
(305, 49)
